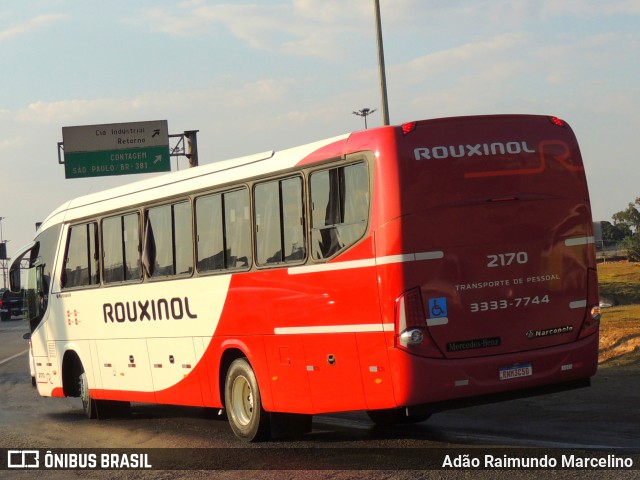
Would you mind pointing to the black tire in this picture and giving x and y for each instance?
(393, 416)
(243, 403)
(385, 417)
(416, 418)
(100, 409)
(89, 405)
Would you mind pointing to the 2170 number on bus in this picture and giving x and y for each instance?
(493, 305)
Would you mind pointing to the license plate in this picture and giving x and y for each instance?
(516, 371)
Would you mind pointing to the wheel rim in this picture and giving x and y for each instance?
(242, 400)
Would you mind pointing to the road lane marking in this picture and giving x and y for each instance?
(2, 362)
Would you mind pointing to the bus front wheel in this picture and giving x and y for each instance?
(243, 403)
(89, 405)
(100, 409)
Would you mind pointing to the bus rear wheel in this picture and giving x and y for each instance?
(385, 417)
(243, 403)
(392, 416)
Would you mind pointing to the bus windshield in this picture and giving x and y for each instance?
(40, 257)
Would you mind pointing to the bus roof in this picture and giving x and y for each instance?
(192, 179)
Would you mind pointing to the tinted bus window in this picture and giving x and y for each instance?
(210, 235)
(169, 230)
(339, 208)
(121, 248)
(81, 261)
(223, 230)
(183, 238)
(237, 228)
(279, 222)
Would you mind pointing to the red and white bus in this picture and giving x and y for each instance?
(398, 270)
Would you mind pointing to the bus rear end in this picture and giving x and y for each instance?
(496, 291)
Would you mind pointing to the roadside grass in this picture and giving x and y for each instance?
(620, 282)
(620, 335)
(620, 325)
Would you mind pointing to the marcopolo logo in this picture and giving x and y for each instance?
(531, 334)
(175, 308)
(478, 150)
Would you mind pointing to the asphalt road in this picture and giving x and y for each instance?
(595, 421)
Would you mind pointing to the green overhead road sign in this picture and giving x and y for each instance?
(116, 149)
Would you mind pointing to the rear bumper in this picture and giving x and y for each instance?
(435, 384)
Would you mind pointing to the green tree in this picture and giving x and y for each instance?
(629, 220)
(632, 245)
(612, 234)
(629, 217)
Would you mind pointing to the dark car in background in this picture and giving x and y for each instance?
(11, 304)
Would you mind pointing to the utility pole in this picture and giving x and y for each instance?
(381, 68)
(192, 147)
(364, 112)
(186, 146)
(3, 256)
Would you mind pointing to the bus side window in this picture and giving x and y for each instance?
(279, 222)
(131, 249)
(121, 248)
(171, 228)
(209, 233)
(81, 266)
(339, 208)
(223, 231)
(237, 229)
(268, 234)
(182, 238)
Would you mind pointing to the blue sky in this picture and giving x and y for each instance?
(257, 75)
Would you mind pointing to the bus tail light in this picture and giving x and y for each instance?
(591, 322)
(557, 121)
(409, 127)
(411, 325)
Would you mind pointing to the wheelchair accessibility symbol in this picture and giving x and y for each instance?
(438, 307)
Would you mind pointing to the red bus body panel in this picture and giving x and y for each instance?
(498, 211)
